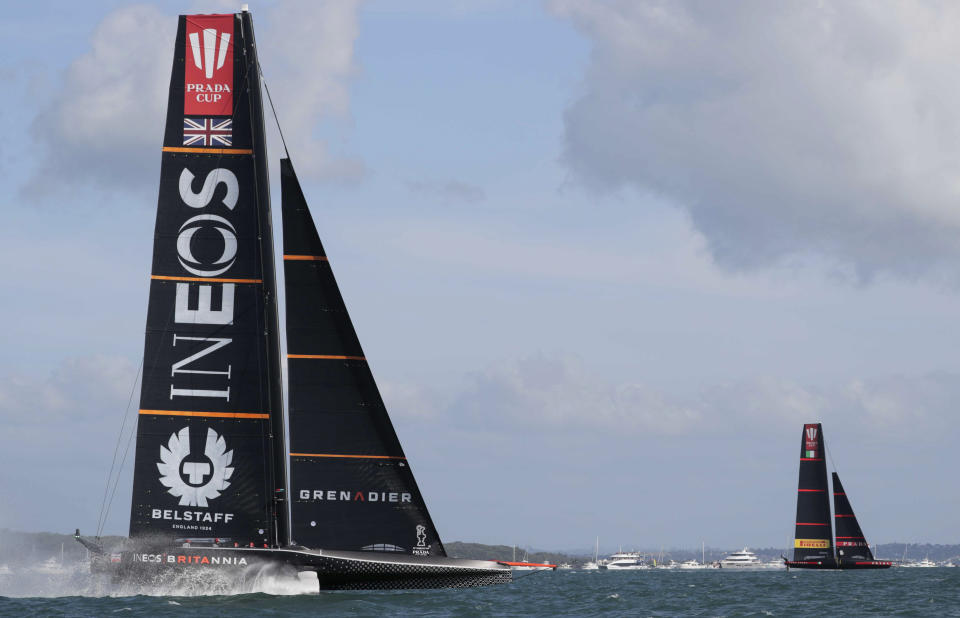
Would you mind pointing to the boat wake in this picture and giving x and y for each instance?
(78, 581)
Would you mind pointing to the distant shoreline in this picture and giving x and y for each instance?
(18, 547)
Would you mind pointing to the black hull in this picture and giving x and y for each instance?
(336, 570)
(842, 565)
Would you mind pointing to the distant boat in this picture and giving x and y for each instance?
(743, 560)
(626, 561)
(50, 566)
(595, 565)
(693, 564)
(926, 563)
(526, 565)
(813, 546)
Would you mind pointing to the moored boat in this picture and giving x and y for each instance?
(626, 561)
(743, 559)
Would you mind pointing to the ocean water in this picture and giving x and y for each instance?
(895, 592)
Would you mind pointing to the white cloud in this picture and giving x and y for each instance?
(449, 191)
(543, 393)
(78, 390)
(307, 54)
(782, 128)
(60, 431)
(104, 125)
(562, 396)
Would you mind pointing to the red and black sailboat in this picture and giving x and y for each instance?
(210, 482)
(813, 546)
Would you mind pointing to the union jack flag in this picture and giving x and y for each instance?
(207, 131)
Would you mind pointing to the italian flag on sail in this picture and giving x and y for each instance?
(811, 454)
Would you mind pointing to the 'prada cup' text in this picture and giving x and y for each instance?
(343, 495)
(207, 93)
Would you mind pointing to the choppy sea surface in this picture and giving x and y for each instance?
(895, 592)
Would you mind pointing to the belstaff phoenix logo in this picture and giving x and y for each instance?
(195, 478)
(811, 433)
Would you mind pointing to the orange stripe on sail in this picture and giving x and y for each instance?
(327, 357)
(305, 258)
(216, 151)
(205, 279)
(334, 456)
(210, 414)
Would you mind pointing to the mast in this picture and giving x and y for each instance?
(277, 437)
(813, 536)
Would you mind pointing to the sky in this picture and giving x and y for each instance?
(605, 258)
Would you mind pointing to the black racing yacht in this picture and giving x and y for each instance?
(813, 545)
(210, 484)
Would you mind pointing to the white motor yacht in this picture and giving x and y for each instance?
(745, 560)
(626, 560)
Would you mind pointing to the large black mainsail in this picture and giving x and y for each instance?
(851, 544)
(208, 454)
(813, 535)
(351, 485)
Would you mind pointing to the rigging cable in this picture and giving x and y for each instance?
(276, 118)
(133, 434)
(101, 518)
